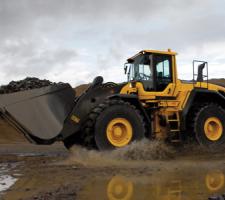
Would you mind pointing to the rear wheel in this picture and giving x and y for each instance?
(117, 124)
(209, 126)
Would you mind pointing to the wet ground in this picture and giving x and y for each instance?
(156, 173)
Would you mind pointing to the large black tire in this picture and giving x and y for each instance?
(72, 140)
(209, 126)
(104, 113)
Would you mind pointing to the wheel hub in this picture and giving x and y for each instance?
(119, 132)
(213, 128)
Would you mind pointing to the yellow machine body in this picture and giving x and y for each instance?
(169, 103)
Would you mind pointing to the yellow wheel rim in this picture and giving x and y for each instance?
(215, 180)
(119, 132)
(213, 128)
(119, 188)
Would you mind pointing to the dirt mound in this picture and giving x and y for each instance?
(81, 88)
(9, 135)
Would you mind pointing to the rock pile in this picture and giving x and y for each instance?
(25, 84)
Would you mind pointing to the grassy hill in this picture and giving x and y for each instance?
(218, 81)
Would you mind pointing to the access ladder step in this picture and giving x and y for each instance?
(173, 120)
(174, 130)
(176, 141)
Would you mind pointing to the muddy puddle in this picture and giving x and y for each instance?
(195, 185)
(141, 171)
(6, 178)
(183, 182)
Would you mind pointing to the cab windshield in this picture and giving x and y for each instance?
(154, 71)
(141, 69)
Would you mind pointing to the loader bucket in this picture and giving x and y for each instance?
(39, 112)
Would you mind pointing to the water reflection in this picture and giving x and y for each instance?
(120, 188)
(183, 186)
(186, 184)
(214, 180)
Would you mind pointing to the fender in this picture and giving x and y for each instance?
(201, 96)
(84, 104)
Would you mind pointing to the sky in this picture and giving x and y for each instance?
(76, 40)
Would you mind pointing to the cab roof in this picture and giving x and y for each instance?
(168, 52)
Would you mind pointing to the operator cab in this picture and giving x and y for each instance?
(152, 69)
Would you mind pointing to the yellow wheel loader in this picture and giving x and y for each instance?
(152, 104)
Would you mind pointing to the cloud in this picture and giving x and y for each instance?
(75, 40)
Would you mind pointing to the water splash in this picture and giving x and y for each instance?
(144, 150)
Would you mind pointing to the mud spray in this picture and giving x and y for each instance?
(139, 153)
(136, 153)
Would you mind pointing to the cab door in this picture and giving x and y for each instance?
(163, 72)
(164, 76)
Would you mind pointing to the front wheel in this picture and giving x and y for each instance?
(117, 125)
(209, 126)
(72, 140)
